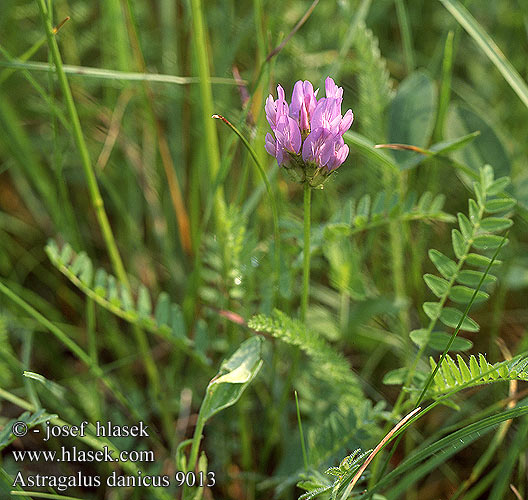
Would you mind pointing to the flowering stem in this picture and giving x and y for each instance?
(306, 250)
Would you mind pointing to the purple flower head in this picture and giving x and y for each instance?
(308, 133)
(332, 90)
(304, 101)
(318, 147)
(276, 109)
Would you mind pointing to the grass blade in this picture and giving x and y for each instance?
(489, 47)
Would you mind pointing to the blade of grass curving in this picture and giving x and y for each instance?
(469, 432)
(90, 438)
(71, 345)
(268, 189)
(405, 30)
(517, 446)
(367, 148)
(489, 47)
(380, 446)
(31, 51)
(206, 98)
(445, 87)
(114, 75)
(457, 329)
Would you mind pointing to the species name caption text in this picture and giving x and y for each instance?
(106, 453)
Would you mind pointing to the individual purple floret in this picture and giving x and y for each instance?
(308, 133)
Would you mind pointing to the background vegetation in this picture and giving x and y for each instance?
(163, 242)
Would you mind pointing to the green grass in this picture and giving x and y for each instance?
(157, 266)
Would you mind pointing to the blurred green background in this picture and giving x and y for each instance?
(191, 218)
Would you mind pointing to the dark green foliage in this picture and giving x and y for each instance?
(453, 377)
(476, 233)
(164, 318)
(331, 364)
(29, 419)
(343, 475)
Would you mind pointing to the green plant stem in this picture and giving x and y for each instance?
(70, 344)
(90, 438)
(206, 94)
(271, 195)
(303, 446)
(95, 194)
(196, 440)
(306, 251)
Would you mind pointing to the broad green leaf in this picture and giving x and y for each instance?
(144, 304)
(425, 201)
(395, 377)
(473, 211)
(437, 285)
(336, 230)
(499, 205)
(439, 340)
(479, 193)
(113, 292)
(412, 114)
(488, 242)
(472, 278)
(162, 313)
(495, 224)
(446, 267)
(465, 226)
(378, 205)
(78, 263)
(432, 309)
(451, 317)
(234, 376)
(177, 322)
(498, 186)
(486, 177)
(464, 294)
(476, 260)
(459, 243)
(438, 203)
(86, 273)
(363, 210)
(486, 148)
(126, 299)
(66, 253)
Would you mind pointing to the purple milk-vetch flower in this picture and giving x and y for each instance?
(304, 101)
(307, 134)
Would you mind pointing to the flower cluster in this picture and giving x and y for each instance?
(308, 132)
